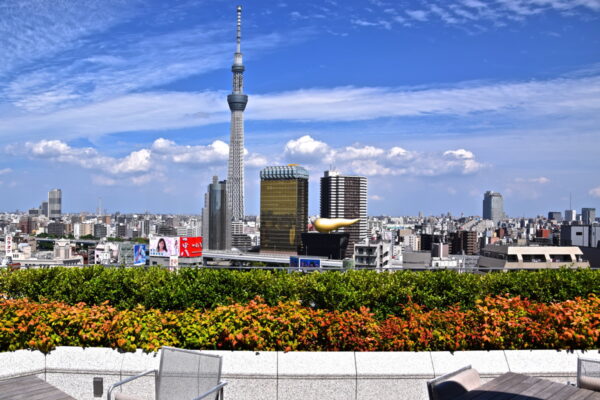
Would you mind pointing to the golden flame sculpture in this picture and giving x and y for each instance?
(326, 225)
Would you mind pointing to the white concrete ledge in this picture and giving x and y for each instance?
(293, 375)
(21, 363)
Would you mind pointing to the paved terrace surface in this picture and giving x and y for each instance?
(293, 375)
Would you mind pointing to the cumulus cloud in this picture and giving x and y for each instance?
(217, 151)
(306, 148)
(372, 160)
(138, 167)
(595, 192)
(87, 157)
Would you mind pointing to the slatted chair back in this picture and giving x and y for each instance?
(186, 374)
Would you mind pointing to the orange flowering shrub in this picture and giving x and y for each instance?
(494, 323)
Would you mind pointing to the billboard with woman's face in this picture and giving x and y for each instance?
(164, 246)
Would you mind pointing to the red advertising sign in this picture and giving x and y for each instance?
(190, 246)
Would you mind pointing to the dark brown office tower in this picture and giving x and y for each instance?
(345, 197)
(465, 242)
(283, 208)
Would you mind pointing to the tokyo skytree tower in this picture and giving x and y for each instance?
(237, 104)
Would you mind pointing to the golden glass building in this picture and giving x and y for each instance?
(283, 208)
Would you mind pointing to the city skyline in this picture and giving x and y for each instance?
(434, 102)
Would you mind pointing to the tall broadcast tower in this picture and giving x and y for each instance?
(237, 104)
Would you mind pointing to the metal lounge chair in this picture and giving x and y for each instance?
(588, 374)
(182, 375)
(453, 384)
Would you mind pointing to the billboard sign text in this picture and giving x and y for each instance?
(164, 246)
(190, 246)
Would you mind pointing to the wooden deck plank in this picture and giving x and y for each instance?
(565, 393)
(593, 396)
(507, 389)
(491, 385)
(549, 391)
(30, 388)
(512, 386)
(7, 391)
(538, 386)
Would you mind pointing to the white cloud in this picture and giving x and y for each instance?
(375, 197)
(376, 161)
(527, 188)
(101, 180)
(33, 29)
(217, 151)
(569, 97)
(138, 167)
(481, 14)
(5, 171)
(135, 62)
(559, 96)
(418, 15)
(595, 192)
(137, 161)
(255, 160)
(87, 157)
(542, 180)
(460, 153)
(306, 148)
(463, 159)
(352, 152)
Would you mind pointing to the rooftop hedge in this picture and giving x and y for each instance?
(382, 293)
(493, 323)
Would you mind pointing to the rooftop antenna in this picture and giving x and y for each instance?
(570, 205)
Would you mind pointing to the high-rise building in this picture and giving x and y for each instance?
(56, 229)
(283, 208)
(216, 220)
(145, 227)
(54, 204)
(555, 215)
(465, 242)
(345, 197)
(493, 206)
(570, 215)
(100, 231)
(588, 216)
(237, 104)
(44, 208)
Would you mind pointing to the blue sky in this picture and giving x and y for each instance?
(435, 101)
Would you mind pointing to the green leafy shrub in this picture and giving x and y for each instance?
(382, 293)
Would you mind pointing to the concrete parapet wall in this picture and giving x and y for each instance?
(293, 375)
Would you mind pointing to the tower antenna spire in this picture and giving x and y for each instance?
(238, 36)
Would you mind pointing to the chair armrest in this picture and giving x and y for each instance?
(124, 381)
(220, 386)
